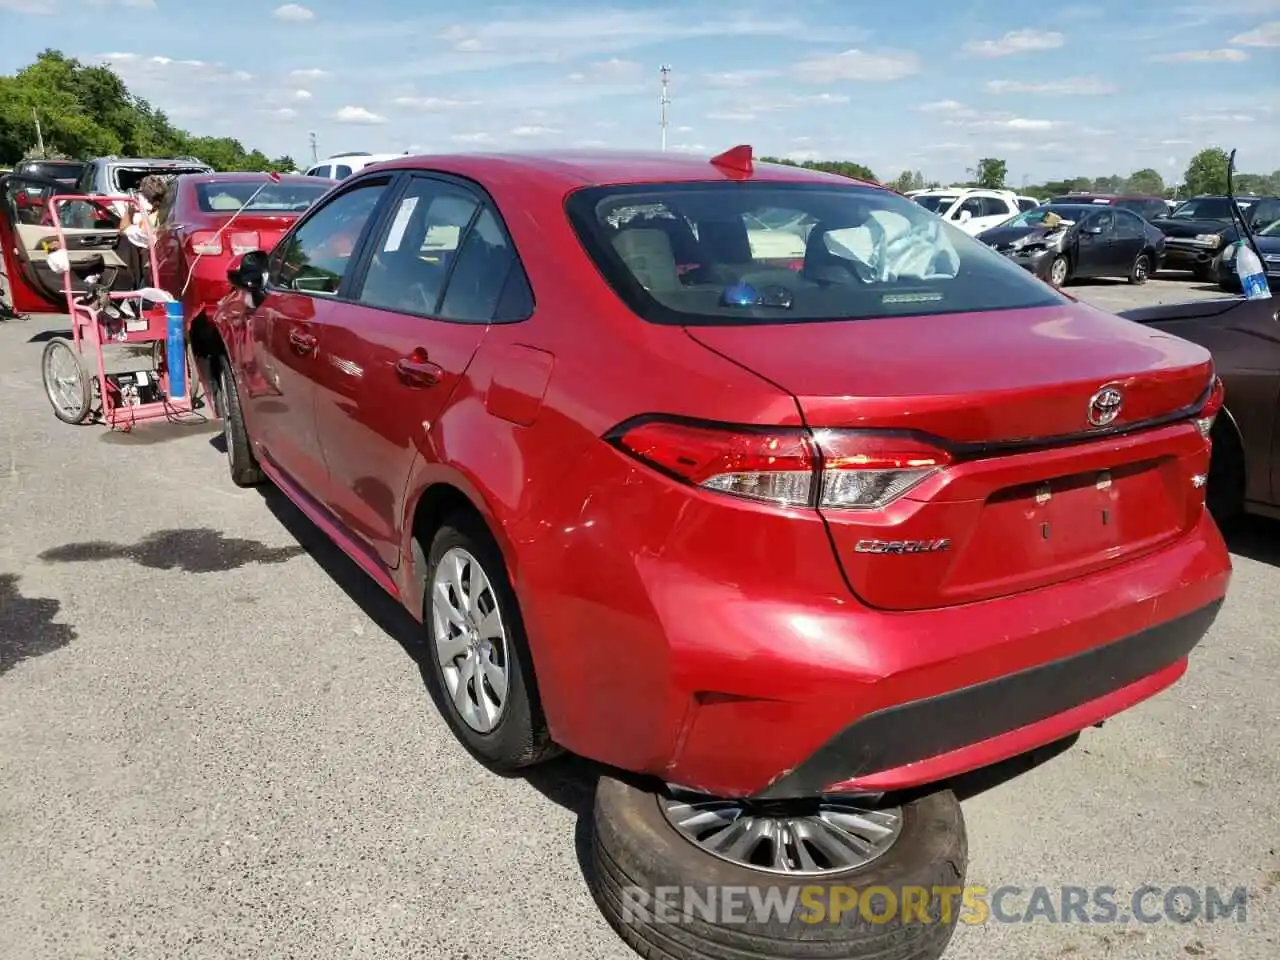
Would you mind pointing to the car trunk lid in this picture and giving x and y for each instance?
(1033, 491)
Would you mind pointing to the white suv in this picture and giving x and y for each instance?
(973, 210)
(342, 165)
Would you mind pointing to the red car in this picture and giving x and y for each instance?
(209, 219)
(781, 543)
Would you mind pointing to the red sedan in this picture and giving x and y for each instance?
(780, 538)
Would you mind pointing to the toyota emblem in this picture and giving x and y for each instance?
(1104, 406)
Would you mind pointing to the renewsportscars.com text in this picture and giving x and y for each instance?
(971, 905)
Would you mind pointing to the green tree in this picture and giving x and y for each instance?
(845, 168)
(990, 173)
(1147, 182)
(1206, 173)
(87, 111)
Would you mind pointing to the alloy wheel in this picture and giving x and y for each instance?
(470, 638)
(1058, 272)
(800, 838)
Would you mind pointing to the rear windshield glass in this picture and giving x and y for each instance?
(272, 198)
(1205, 208)
(53, 169)
(1067, 213)
(934, 203)
(735, 253)
(128, 178)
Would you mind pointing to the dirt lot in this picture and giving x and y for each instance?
(215, 743)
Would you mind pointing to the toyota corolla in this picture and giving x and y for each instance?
(781, 538)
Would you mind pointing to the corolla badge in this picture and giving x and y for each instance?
(1104, 406)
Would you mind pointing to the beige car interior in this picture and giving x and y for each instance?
(37, 241)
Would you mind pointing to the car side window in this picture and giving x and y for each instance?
(478, 281)
(1027, 204)
(341, 171)
(973, 205)
(1128, 225)
(1105, 221)
(316, 256)
(414, 252)
(997, 207)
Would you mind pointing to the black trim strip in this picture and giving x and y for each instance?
(914, 731)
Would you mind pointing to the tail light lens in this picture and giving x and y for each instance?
(834, 469)
(1212, 407)
(206, 243)
(244, 243)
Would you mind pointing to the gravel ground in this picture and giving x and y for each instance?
(215, 743)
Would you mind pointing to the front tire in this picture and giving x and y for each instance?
(1059, 271)
(243, 465)
(638, 851)
(67, 381)
(479, 668)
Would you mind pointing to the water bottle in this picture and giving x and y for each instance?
(1253, 281)
(176, 350)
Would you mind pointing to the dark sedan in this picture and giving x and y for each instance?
(1198, 231)
(1059, 242)
(1244, 338)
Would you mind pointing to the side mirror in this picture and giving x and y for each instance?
(1093, 231)
(964, 216)
(249, 272)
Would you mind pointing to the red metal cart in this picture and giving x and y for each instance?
(76, 376)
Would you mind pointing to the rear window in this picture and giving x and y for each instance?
(53, 169)
(934, 203)
(734, 253)
(126, 179)
(1205, 208)
(229, 197)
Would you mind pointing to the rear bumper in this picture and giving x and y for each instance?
(1186, 257)
(941, 736)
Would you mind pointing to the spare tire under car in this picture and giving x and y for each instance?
(638, 848)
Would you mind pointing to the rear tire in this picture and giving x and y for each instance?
(636, 850)
(243, 465)
(486, 691)
(1140, 272)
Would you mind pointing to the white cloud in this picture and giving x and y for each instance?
(965, 117)
(293, 13)
(480, 137)
(432, 104)
(40, 7)
(730, 116)
(302, 94)
(737, 78)
(358, 115)
(285, 113)
(940, 106)
(608, 70)
(1267, 35)
(533, 130)
(858, 65)
(310, 73)
(1218, 118)
(1016, 41)
(1225, 55)
(1175, 143)
(1068, 86)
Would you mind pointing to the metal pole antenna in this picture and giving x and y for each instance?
(315, 157)
(664, 101)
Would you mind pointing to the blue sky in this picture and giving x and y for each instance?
(1055, 89)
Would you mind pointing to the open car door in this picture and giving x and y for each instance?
(90, 228)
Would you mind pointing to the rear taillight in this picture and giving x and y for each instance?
(834, 469)
(1212, 407)
(206, 243)
(244, 243)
